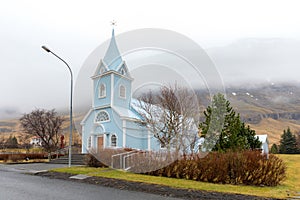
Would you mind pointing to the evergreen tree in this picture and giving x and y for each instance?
(288, 143)
(223, 128)
(12, 142)
(298, 142)
(274, 149)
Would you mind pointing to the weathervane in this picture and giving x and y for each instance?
(113, 23)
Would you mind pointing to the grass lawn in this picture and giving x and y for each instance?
(290, 186)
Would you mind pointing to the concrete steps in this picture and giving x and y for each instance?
(77, 159)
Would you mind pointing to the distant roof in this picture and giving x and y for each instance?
(112, 58)
(262, 138)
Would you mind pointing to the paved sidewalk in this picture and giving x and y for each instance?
(31, 168)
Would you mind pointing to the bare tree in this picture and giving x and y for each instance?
(44, 124)
(2, 142)
(172, 116)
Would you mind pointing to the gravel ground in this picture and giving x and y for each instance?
(152, 188)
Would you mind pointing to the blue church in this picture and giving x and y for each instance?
(112, 122)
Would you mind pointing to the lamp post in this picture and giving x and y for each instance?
(71, 101)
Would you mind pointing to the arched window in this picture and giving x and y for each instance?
(123, 72)
(122, 92)
(102, 90)
(102, 116)
(113, 141)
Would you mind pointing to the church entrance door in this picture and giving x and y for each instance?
(100, 142)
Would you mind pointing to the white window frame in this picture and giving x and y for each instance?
(162, 147)
(123, 97)
(100, 91)
(102, 111)
(111, 140)
(89, 142)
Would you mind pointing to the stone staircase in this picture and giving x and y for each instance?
(77, 159)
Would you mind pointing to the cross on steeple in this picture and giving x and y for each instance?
(113, 23)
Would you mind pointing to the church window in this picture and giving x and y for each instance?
(163, 146)
(123, 71)
(113, 141)
(102, 90)
(89, 143)
(102, 116)
(122, 93)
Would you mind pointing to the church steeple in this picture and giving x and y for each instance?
(112, 58)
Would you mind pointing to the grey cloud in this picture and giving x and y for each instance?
(258, 60)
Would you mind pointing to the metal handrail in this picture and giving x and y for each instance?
(119, 154)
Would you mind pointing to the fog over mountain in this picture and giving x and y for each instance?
(249, 62)
(252, 61)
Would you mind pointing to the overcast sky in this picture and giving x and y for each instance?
(31, 78)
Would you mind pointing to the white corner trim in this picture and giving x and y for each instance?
(92, 142)
(124, 133)
(111, 72)
(112, 88)
(85, 117)
(101, 107)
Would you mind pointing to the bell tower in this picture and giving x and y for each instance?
(112, 81)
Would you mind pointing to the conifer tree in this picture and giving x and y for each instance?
(274, 149)
(12, 142)
(288, 143)
(223, 128)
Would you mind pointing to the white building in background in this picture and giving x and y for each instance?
(36, 141)
(264, 143)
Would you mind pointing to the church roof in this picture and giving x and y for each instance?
(127, 113)
(112, 57)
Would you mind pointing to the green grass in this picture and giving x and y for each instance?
(290, 186)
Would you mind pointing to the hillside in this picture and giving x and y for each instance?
(11, 127)
(268, 109)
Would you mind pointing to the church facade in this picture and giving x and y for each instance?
(112, 122)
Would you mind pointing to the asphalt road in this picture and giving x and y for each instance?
(15, 184)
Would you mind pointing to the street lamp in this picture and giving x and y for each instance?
(71, 101)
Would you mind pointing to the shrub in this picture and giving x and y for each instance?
(144, 161)
(21, 156)
(248, 167)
